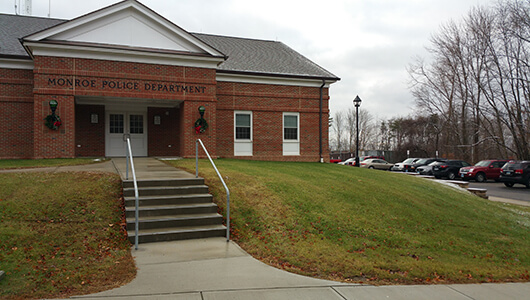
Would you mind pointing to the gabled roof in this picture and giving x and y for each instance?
(109, 29)
(263, 57)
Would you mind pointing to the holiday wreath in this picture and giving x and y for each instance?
(201, 125)
(53, 121)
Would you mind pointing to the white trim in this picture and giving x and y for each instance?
(74, 51)
(243, 147)
(291, 147)
(25, 64)
(278, 80)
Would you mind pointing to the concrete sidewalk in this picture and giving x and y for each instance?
(214, 269)
(209, 269)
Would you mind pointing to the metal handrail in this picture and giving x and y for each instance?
(136, 214)
(220, 177)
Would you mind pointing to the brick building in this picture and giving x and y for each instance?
(125, 71)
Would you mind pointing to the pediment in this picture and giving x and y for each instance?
(128, 24)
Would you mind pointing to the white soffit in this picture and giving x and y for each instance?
(8, 63)
(129, 24)
(277, 80)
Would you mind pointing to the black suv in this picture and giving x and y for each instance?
(448, 168)
(516, 171)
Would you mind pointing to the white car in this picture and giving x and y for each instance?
(404, 165)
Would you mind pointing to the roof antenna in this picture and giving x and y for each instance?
(27, 8)
(49, 7)
(16, 11)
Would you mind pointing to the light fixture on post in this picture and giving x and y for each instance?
(53, 106)
(201, 125)
(357, 103)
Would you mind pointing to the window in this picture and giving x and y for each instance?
(291, 134)
(243, 133)
(136, 124)
(290, 127)
(116, 123)
(243, 126)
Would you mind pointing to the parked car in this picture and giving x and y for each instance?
(376, 163)
(351, 161)
(404, 166)
(483, 170)
(514, 172)
(427, 170)
(348, 162)
(448, 169)
(423, 162)
(370, 156)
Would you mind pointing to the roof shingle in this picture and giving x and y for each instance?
(13, 28)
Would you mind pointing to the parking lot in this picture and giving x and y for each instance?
(497, 189)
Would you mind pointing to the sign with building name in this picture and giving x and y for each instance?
(128, 85)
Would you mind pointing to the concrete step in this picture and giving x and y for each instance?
(164, 182)
(173, 221)
(169, 200)
(178, 233)
(181, 209)
(166, 190)
(172, 209)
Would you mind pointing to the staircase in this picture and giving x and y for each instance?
(172, 209)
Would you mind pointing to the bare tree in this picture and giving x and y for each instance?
(477, 82)
(338, 127)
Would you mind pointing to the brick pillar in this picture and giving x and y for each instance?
(189, 114)
(50, 143)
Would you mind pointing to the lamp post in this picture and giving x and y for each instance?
(357, 103)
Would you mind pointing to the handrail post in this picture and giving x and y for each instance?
(222, 181)
(136, 201)
(127, 165)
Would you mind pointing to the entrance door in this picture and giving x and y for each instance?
(121, 125)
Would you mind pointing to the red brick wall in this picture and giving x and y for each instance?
(267, 103)
(64, 79)
(89, 137)
(189, 114)
(16, 113)
(50, 143)
(164, 139)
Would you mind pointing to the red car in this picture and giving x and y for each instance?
(483, 170)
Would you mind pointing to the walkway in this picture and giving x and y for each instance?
(212, 269)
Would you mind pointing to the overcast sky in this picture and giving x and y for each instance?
(366, 43)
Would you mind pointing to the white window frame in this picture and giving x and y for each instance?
(243, 147)
(291, 146)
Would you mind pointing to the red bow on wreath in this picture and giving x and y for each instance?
(201, 125)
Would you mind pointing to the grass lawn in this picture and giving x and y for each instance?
(37, 163)
(358, 225)
(61, 234)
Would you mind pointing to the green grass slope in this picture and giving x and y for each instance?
(61, 234)
(350, 224)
